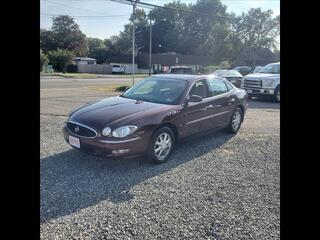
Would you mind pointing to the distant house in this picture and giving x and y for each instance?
(84, 60)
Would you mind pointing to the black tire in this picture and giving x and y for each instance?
(231, 128)
(152, 156)
(276, 95)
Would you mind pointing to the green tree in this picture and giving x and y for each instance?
(65, 34)
(60, 59)
(43, 59)
(47, 41)
(94, 43)
(257, 29)
(97, 49)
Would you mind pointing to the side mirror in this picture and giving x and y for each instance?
(195, 98)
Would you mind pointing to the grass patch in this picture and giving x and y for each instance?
(71, 75)
(121, 88)
(109, 88)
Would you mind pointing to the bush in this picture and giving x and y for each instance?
(122, 88)
(43, 60)
(60, 59)
(72, 68)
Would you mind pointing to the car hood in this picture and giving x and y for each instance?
(114, 109)
(261, 75)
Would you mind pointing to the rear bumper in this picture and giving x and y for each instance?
(108, 148)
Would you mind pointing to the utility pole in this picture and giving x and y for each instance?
(150, 48)
(133, 38)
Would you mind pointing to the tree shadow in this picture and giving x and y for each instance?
(71, 180)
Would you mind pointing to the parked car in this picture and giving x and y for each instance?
(264, 83)
(232, 76)
(154, 114)
(244, 70)
(118, 69)
(256, 69)
(181, 70)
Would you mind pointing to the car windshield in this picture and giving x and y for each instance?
(228, 73)
(271, 68)
(116, 66)
(164, 91)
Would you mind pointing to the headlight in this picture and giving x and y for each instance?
(106, 131)
(268, 83)
(124, 131)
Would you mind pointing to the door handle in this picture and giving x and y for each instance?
(212, 106)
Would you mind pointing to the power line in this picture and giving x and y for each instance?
(89, 16)
(64, 5)
(149, 5)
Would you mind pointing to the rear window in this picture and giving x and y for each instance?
(115, 66)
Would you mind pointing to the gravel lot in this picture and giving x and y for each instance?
(217, 186)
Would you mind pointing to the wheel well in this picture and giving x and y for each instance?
(242, 110)
(172, 127)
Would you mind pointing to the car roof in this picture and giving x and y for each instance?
(186, 77)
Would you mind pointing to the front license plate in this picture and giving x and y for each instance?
(74, 141)
(249, 91)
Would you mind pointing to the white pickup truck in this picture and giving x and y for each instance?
(263, 83)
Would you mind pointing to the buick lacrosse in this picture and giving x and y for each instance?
(154, 114)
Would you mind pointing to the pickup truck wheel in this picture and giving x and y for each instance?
(276, 95)
(235, 121)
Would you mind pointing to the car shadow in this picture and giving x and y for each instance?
(71, 180)
(263, 103)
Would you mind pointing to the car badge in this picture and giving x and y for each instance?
(76, 129)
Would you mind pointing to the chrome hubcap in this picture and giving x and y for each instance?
(162, 146)
(236, 120)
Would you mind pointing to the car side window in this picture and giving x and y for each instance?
(229, 86)
(217, 87)
(199, 88)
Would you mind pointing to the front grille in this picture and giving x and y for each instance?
(252, 83)
(81, 130)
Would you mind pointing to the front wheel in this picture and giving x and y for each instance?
(235, 121)
(276, 96)
(161, 145)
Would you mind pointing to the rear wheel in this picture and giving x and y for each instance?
(235, 121)
(161, 145)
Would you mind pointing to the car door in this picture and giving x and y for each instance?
(221, 103)
(193, 117)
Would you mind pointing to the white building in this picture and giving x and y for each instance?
(84, 60)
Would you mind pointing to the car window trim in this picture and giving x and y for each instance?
(211, 98)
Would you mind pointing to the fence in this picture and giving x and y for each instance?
(95, 68)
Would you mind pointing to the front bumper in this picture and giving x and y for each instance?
(109, 148)
(258, 91)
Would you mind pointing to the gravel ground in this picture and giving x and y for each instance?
(217, 186)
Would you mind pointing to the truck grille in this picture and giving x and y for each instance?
(252, 83)
(81, 130)
(235, 81)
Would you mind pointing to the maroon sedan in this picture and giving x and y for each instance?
(151, 116)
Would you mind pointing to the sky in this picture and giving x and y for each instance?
(88, 13)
